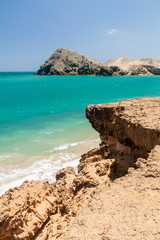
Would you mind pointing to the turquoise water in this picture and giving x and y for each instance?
(44, 116)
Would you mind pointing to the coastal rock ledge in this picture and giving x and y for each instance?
(116, 193)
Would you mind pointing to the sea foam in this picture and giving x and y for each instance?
(62, 147)
(43, 170)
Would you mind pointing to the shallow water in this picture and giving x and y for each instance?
(42, 120)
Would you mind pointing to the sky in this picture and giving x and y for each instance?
(31, 30)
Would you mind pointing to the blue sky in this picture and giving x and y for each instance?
(31, 30)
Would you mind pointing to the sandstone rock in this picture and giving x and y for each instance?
(64, 172)
(128, 209)
(132, 122)
(24, 210)
(116, 193)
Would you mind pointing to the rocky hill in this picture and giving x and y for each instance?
(125, 61)
(67, 62)
(131, 66)
(114, 196)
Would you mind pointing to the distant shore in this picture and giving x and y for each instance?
(67, 62)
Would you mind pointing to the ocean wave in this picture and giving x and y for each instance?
(43, 170)
(3, 157)
(46, 132)
(69, 145)
(61, 147)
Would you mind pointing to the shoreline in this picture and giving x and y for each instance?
(44, 168)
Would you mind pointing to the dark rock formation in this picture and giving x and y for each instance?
(67, 62)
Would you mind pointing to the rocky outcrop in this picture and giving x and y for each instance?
(67, 62)
(25, 209)
(128, 209)
(127, 61)
(132, 122)
(129, 66)
(114, 195)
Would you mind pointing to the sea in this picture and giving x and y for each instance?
(43, 126)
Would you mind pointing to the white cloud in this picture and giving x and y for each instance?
(112, 31)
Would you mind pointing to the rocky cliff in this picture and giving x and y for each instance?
(67, 62)
(116, 193)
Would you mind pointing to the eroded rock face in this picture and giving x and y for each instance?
(115, 194)
(128, 209)
(67, 62)
(23, 210)
(133, 122)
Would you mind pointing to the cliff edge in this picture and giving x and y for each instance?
(116, 193)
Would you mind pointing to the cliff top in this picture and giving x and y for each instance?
(133, 118)
(142, 111)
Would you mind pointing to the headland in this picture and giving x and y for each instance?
(114, 195)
